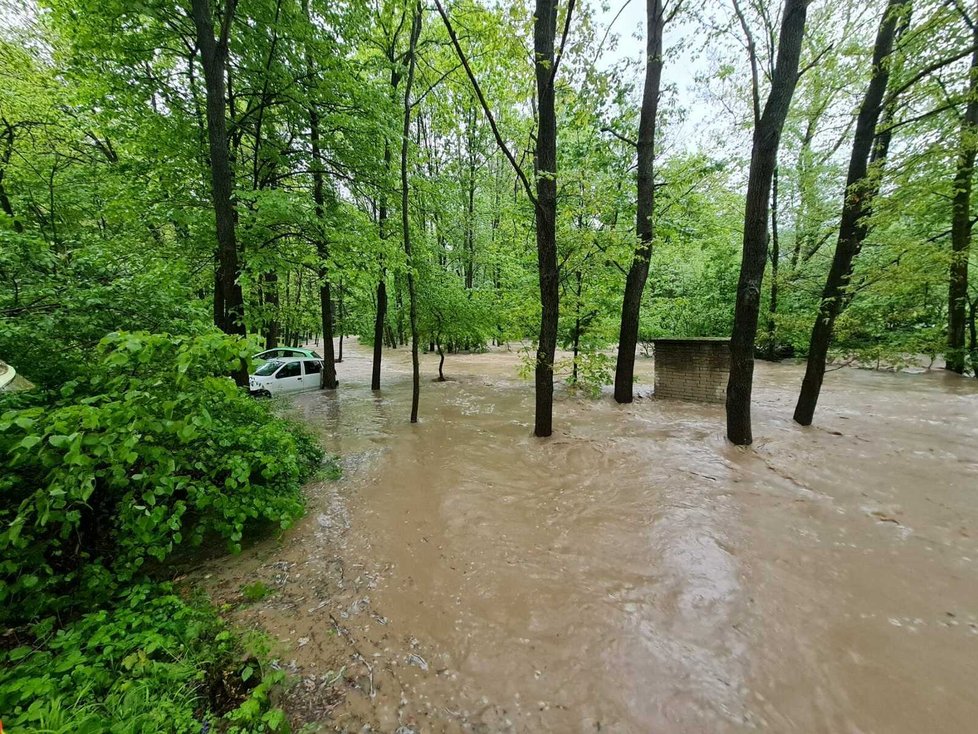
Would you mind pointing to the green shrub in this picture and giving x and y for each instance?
(153, 663)
(153, 449)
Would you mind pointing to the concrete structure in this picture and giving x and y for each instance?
(692, 369)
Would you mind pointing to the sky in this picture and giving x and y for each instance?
(682, 65)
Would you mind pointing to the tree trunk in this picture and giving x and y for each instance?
(973, 337)
(470, 204)
(379, 334)
(8, 149)
(327, 380)
(405, 213)
(228, 297)
(544, 31)
(856, 208)
(638, 272)
(764, 154)
(270, 294)
(339, 356)
(772, 311)
(961, 226)
(381, 316)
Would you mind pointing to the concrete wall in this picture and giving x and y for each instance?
(692, 369)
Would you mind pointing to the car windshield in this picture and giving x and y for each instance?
(268, 368)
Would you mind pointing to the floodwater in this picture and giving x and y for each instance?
(634, 572)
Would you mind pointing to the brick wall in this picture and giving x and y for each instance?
(692, 369)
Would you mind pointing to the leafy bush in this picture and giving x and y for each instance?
(152, 449)
(153, 663)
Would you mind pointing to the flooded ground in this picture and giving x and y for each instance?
(634, 572)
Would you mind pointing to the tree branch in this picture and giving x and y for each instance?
(619, 136)
(485, 105)
(563, 41)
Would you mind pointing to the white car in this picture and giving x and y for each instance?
(289, 374)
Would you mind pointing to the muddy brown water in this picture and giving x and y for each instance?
(634, 572)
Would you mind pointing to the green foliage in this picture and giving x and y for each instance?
(256, 591)
(154, 449)
(153, 662)
(594, 371)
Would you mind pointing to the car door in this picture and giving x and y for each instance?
(289, 377)
(313, 370)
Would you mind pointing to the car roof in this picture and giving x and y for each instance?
(289, 352)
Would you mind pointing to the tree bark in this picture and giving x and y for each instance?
(543, 195)
(228, 296)
(638, 272)
(772, 311)
(328, 374)
(856, 208)
(405, 213)
(382, 214)
(270, 296)
(8, 149)
(961, 225)
(764, 154)
(544, 32)
(973, 336)
(381, 316)
(339, 356)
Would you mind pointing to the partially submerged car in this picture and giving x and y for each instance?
(10, 381)
(280, 352)
(285, 375)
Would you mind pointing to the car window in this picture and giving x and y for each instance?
(268, 368)
(290, 369)
(315, 354)
(313, 367)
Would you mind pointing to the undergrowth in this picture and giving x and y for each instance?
(147, 452)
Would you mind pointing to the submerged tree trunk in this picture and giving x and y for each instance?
(327, 380)
(544, 31)
(228, 297)
(380, 319)
(961, 225)
(764, 155)
(856, 208)
(381, 315)
(342, 330)
(543, 195)
(772, 310)
(379, 334)
(405, 213)
(973, 336)
(638, 273)
(270, 296)
(577, 325)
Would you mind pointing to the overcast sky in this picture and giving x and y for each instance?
(682, 65)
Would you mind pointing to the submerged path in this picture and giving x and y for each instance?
(634, 572)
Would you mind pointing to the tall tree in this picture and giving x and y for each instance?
(856, 208)
(961, 223)
(545, 162)
(328, 377)
(638, 272)
(228, 297)
(764, 153)
(392, 33)
(544, 195)
(405, 211)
